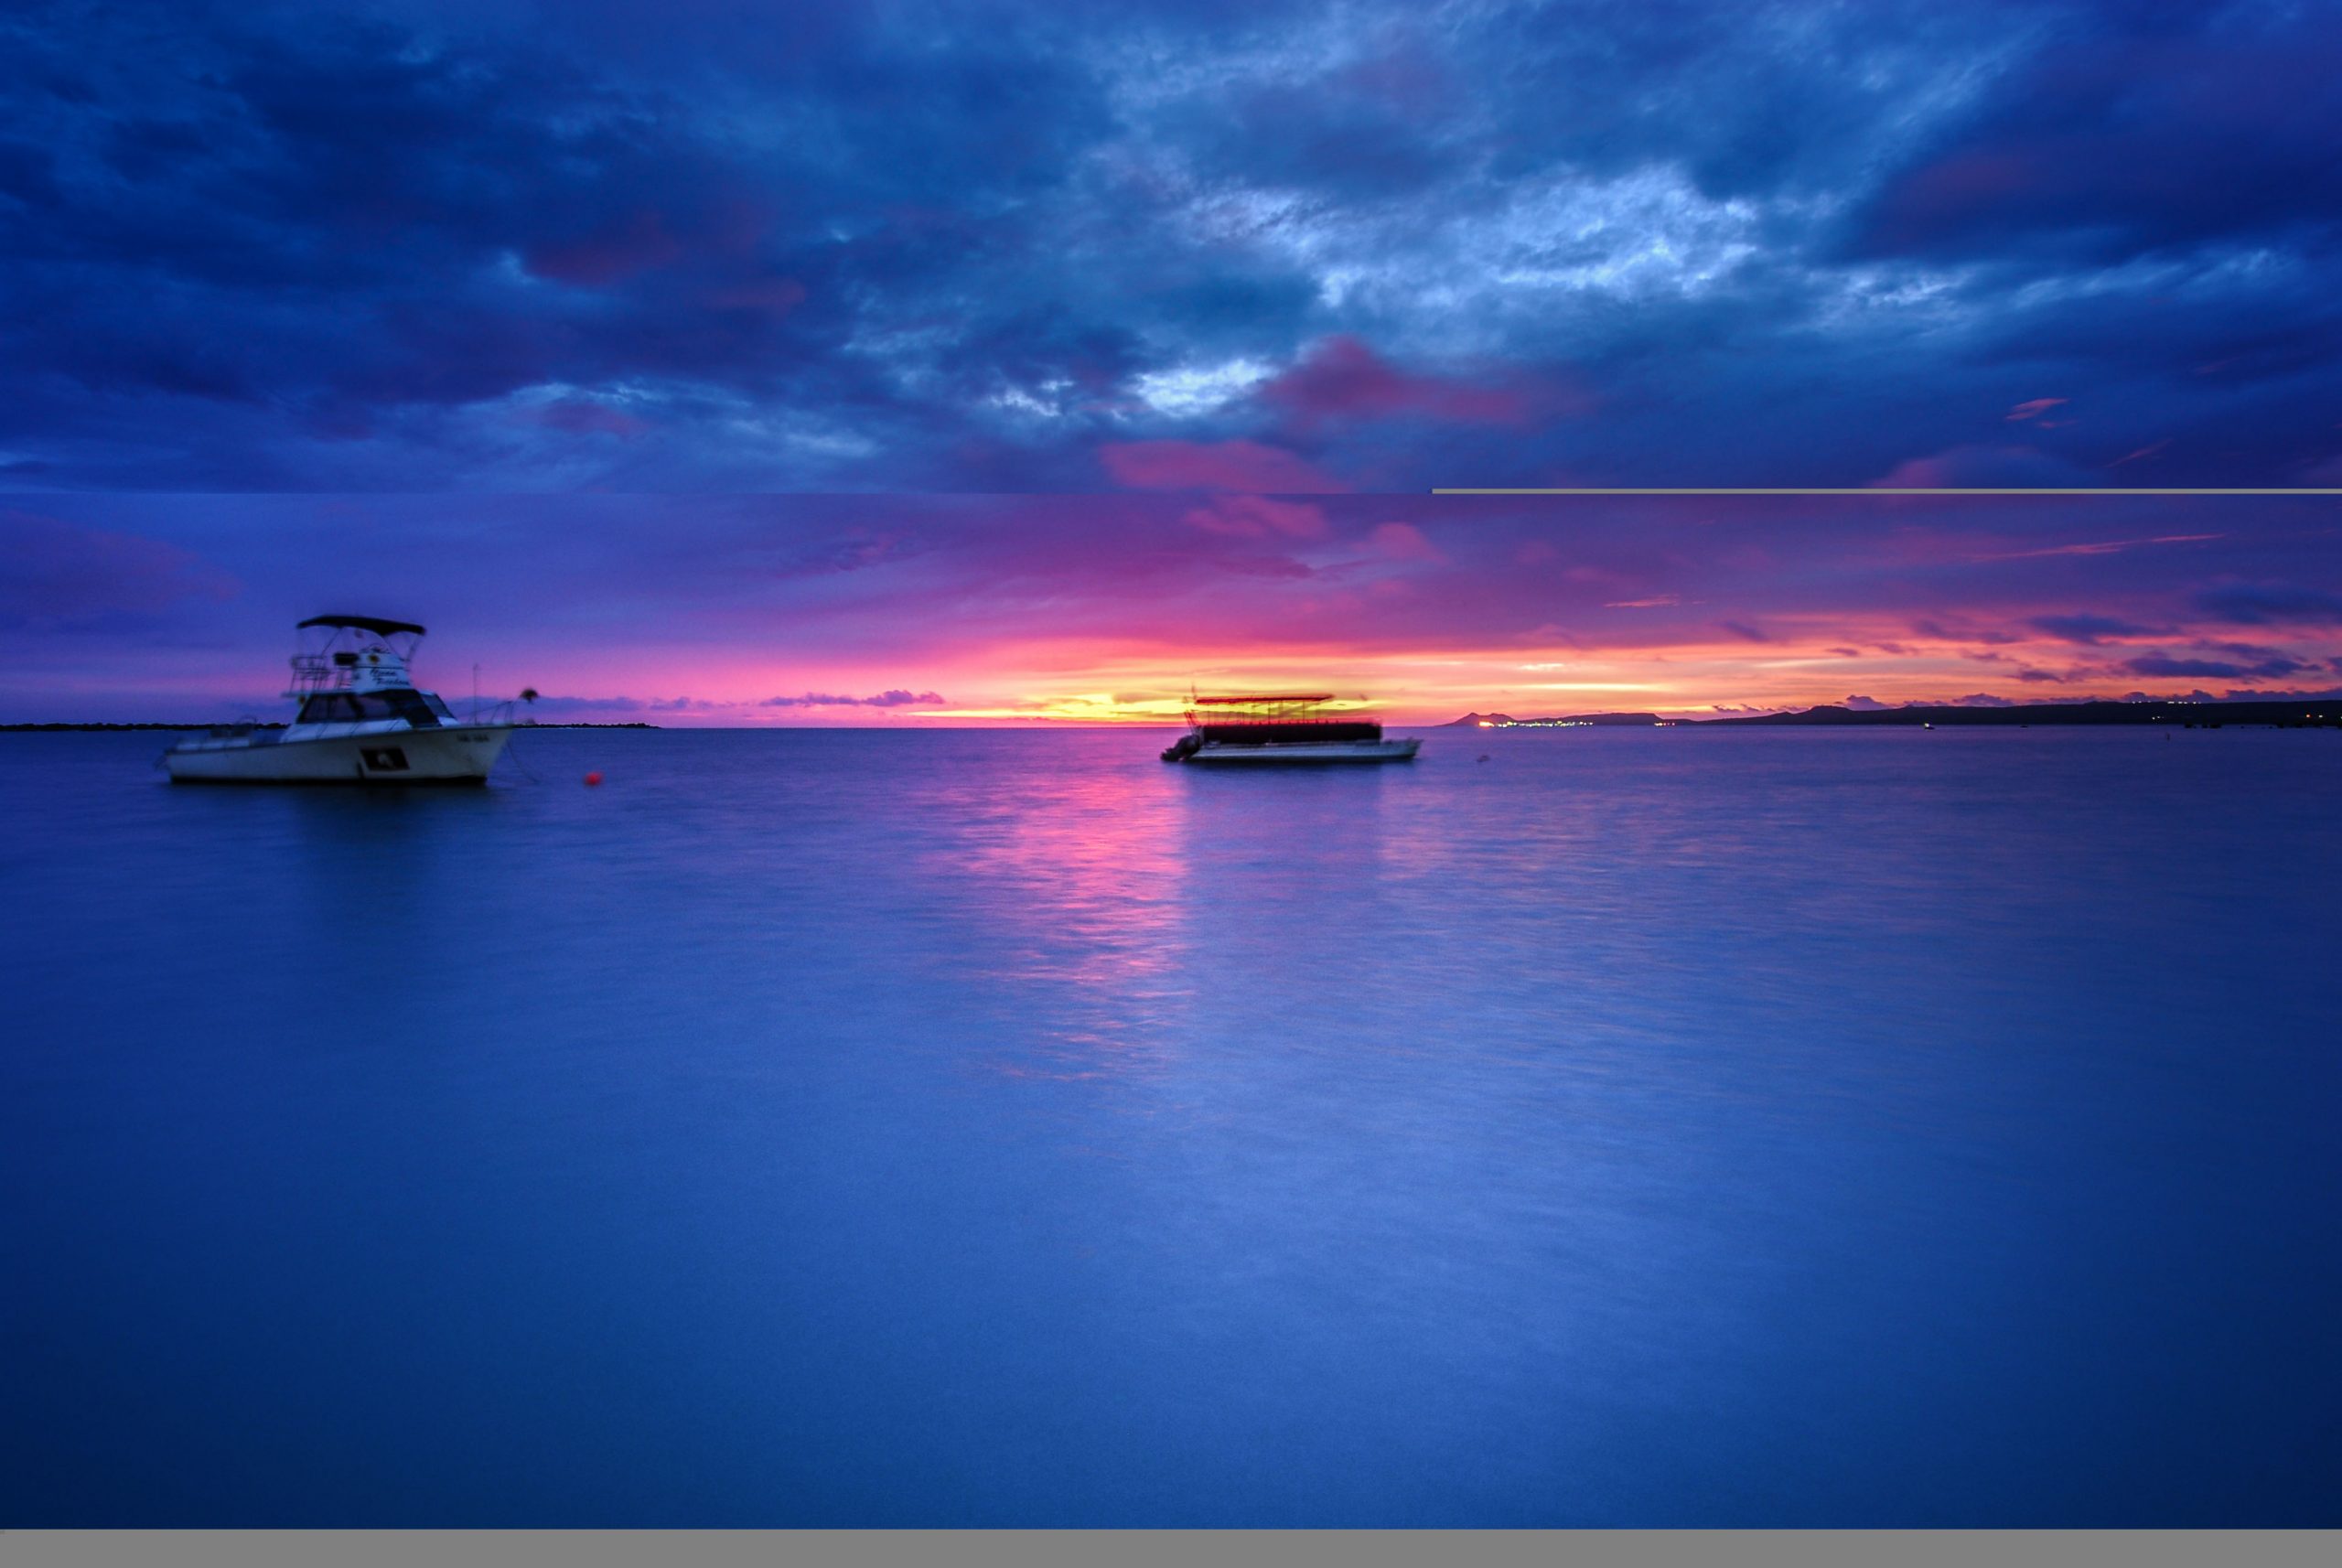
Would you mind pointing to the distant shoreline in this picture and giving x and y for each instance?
(2315, 712)
(225, 725)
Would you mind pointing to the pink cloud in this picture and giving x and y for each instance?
(1257, 516)
(2035, 409)
(1983, 467)
(1341, 377)
(1402, 541)
(1213, 466)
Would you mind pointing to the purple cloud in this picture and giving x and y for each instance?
(1220, 466)
(1985, 467)
(1342, 379)
(894, 699)
(62, 574)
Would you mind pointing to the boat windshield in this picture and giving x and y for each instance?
(420, 709)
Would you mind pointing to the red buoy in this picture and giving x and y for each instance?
(593, 778)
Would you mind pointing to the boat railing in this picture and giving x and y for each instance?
(315, 672)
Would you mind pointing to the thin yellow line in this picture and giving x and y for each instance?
(1866, 490)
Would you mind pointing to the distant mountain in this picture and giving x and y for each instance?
(1506, 721)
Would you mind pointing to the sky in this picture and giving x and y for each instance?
(724, 363)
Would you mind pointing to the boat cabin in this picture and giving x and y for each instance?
(357, 672)
(1281, 717)
(1299, 726)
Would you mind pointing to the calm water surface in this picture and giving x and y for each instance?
(1636, 1127)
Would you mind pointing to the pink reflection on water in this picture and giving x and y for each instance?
(1076, 883)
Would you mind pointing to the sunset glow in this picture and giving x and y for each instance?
(1111, 609)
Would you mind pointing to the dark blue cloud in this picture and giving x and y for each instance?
(2164, 665)
(2089, 629)
(2271, 604)
(717, 246)
(2135, 130)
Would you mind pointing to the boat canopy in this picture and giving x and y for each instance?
(363, 623)
(1275, 707)
(1280, 715)
(1281, 699)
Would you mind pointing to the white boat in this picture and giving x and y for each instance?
(362, 721)
(1284, 728)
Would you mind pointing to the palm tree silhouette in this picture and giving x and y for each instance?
(529, 695)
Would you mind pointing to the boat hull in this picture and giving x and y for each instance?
(460, 754)
(1291, 753)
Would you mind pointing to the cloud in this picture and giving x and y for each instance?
(1866, 704)
(892, 699)
(1942, 633)
(2102, 546)
(581, 418)
(59, 575)
(2165, 665)
(2255, 694)
(1008, 249)
(1402, 541)
(1341, 379)
(2270, 604)
(2128, 135)
(999, 597)
(1217, 466)
(1259, 517)
(1745, 632)
(2088, 630)
(1984, 468)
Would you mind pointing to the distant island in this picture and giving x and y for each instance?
(636, 724)
(1506, 721)
(2315, 712)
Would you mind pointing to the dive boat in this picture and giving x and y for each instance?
(1287, 727)
(362, 721)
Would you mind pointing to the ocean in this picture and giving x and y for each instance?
(1595, 1127)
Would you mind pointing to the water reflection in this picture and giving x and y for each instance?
(1073, 882)
(1637, 1128)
